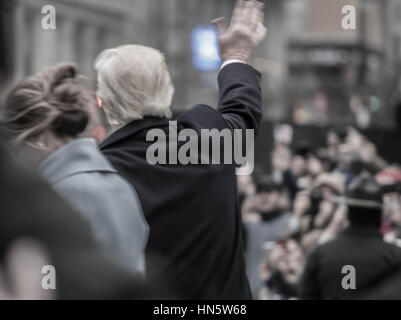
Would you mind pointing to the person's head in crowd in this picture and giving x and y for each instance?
(314, 165)
(321, 207)
(354, 138)
(336, 136)
(281, 157)
(314, 209)
(365, 202)
(133, 82)
(328, 163)
(281, 268)
(270, 199)
(299, 159)
(267, 203)
(268, 192)
(298, 165)
(50, 109)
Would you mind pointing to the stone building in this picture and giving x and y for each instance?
(83, 28)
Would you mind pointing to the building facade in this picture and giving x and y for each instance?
(337, 76)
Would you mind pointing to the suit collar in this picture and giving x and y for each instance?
(81, 155)
(134, 127)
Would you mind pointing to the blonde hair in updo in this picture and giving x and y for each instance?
(50, 100)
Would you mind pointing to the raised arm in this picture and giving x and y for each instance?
(240, 93)
(240, 102)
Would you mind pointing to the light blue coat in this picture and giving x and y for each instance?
(85, 178)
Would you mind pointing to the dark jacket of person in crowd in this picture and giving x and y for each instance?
(327, 274)
(387, 289)
(195, 225)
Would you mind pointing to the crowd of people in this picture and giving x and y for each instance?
(114, 225)
(309, 201)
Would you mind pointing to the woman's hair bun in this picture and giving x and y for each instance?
(63, 73)
(50, 100)
(71, 101)
(70, 123)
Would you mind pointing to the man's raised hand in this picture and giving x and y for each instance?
(245, 32)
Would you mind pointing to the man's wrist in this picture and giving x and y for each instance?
(239, 58)
(229, 61)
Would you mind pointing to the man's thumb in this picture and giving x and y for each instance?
(220, 24)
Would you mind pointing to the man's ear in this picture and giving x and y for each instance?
(99, 133)
(23, 280)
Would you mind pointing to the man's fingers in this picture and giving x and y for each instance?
(239, 6)
(256, 16)
(238, 10)
(220, 24)
(260, 32)
(251, 15)
(248, 11)
(259, 5)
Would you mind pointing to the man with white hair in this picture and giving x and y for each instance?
(195, 242)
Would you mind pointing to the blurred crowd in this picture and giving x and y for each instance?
(300, 205)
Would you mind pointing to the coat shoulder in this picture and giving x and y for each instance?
(202, 116)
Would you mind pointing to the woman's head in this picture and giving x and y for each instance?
(51, 103)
